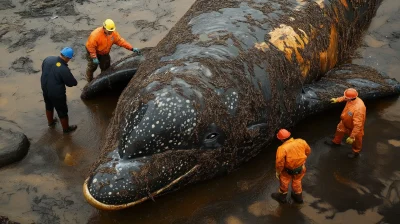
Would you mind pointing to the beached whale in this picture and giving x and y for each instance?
(212, 94)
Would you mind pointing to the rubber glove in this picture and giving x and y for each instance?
(96, 61)
(277, 175)
(136, 50)
(334, 100)
(350, 140)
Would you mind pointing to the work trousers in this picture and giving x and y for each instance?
(60, 103)
(341, 130)
(285, 179)
(104, 62)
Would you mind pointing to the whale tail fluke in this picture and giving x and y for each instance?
(370, 84)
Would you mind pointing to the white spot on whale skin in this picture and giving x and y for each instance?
(94, 180)
(153, 126)
(109, 193)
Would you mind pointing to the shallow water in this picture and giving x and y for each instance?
(46, 186)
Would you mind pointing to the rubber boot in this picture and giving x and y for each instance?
(331, 143)
(353, 155)
(280, 197)
(51, 120)
(89, 76)
(65, 125)
(298, 198)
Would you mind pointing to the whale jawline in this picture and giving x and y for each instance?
(99, 205)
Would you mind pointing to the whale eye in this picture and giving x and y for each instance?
(211, 136)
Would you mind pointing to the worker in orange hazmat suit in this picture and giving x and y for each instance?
(352, 122)
(98, 47)
(290, 166)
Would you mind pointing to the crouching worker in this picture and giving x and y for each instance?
(55, 76)
(290, 166)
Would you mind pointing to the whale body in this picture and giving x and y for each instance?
(213, 93)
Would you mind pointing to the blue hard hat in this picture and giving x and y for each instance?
(67, 52)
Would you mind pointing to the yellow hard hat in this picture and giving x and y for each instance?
(109, 25)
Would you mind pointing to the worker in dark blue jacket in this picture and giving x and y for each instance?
(55, 76)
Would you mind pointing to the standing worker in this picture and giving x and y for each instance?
(290, 166)
(98, 47)
(55, 76)
(352, 122)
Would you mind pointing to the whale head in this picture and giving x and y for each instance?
(168, 136)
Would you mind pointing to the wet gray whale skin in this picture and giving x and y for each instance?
(116, 77)
(215, 90)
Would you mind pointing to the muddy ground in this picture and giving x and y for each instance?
(46, 186)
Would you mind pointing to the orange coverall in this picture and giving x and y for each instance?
(100, 43)
(352, 123)
(291, 155)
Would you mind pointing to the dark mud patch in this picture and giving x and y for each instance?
(6, 4)
(5, 220)
(146, 29)
(45, 204)
(79, 38)
(2, 74)
(44, 8)
(24, 64)
(2, 33)
(27, 39)
(395, 36)
(89, 21)
(64, 35)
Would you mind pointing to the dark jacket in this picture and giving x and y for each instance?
(55, 76)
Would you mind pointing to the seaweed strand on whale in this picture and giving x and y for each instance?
(215, 90)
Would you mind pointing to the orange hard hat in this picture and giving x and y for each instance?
(350, 93)
(283, 134)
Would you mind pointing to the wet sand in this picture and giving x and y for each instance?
(46, 186)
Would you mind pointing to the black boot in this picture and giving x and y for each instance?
(66, 127)
(330, 143)
(281, 198)
(51, 120)
(298, 198)
(353, 155)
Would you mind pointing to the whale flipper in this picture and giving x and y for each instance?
(369, 83)
(116, 77)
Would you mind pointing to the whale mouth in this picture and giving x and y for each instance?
(102, 206)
